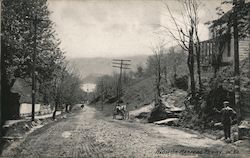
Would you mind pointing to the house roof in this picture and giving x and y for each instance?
(225, 17)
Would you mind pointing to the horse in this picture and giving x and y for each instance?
(121, 110)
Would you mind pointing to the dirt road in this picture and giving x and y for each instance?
(86, 133)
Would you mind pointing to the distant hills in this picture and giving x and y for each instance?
(91, 68)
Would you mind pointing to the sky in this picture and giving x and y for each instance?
(119, 28)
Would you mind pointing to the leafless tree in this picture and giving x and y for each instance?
(185, 33)
(198, 46)
(158, 50)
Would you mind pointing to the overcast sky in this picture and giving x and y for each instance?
(116, 28)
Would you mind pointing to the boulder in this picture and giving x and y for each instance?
(158, 113)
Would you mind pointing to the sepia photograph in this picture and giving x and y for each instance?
(125, 79)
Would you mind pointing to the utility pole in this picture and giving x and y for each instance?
(1, 90)
(102, 93)
(35, 21)
(249, 47)
(87, 94)
(122, 65)
(249, 55)
(236, 60)
(1, 121)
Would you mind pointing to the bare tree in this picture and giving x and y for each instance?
(158, 50)
(186, 35)
(198, 46)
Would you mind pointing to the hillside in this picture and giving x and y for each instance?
(91, 68)
(139, 93)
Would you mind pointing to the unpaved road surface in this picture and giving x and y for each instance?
(87, 133)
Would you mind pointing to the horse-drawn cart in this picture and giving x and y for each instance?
(122, 111)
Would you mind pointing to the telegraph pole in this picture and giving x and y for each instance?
(102, 93)
(35, 21)
(236, 61)
(249, 49)
(122, 65)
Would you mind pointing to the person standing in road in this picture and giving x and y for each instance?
(227, 117)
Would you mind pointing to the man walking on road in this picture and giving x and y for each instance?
(227, 116)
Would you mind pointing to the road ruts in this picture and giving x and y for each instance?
(88, 134)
